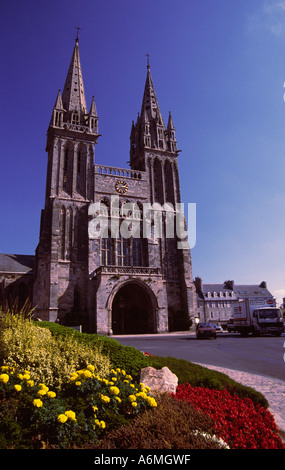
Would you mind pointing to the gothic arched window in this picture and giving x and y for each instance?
(106, 251)
(137, 255)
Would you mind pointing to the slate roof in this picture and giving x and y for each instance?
(241, 291)
(217, 288)
(244, 291)
(10, 263)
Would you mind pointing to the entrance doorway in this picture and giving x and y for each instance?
(132, 311)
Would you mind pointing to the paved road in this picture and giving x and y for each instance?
(255, 355)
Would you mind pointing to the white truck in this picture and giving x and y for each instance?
(258, 316)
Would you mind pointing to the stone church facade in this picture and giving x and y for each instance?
(111, 284)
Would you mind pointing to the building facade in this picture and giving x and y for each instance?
(113, 281)
(215, 302)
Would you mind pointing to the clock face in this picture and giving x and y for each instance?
(121, 186)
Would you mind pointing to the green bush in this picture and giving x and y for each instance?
(50, 359)
(126, 357)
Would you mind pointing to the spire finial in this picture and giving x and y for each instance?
(148, 56)
(77, 35)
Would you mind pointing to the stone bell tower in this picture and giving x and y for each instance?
(62, 254)
(153, 149)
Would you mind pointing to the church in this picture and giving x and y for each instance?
(112, 281)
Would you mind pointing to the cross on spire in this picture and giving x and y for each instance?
(148, 56)
(77, 36)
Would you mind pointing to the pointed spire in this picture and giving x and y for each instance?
(58, 102)
(93, 109)
(73, 96)
(170, 125)
(170, 135)
(150, 102)
(57, 112)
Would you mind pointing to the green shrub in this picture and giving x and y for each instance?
(126, 357)
(51, 359)
(169, 426)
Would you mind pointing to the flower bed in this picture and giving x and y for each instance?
(238, 422)
(32, 415)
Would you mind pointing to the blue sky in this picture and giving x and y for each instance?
(218, 65)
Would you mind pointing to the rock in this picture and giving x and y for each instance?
(159, 381)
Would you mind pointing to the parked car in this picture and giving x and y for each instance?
(206, 330)
(218, 328)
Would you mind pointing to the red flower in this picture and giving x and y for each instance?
(237, 421)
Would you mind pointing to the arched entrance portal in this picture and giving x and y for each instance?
(132, 311)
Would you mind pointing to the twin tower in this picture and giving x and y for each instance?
(130, 283)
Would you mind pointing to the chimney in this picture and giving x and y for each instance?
(229, 285)
(199, 285)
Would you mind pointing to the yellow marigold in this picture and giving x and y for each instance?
(141, 394)
(134, 404)
(31, 383)
(5, 368)
(70, 414)
(38, 403)
(4, 378)
(42, 392)
(101, 424)
(114, 390)
(51, 394)
(87, 374)
(20, 376)
(104, 398)
(74, 376)
(26, 376)
(151, 401)
(78, 383)
(18, 388)
(132, 398)
(62, 418)
(44, 387)
(118, 399)
(91, 368)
